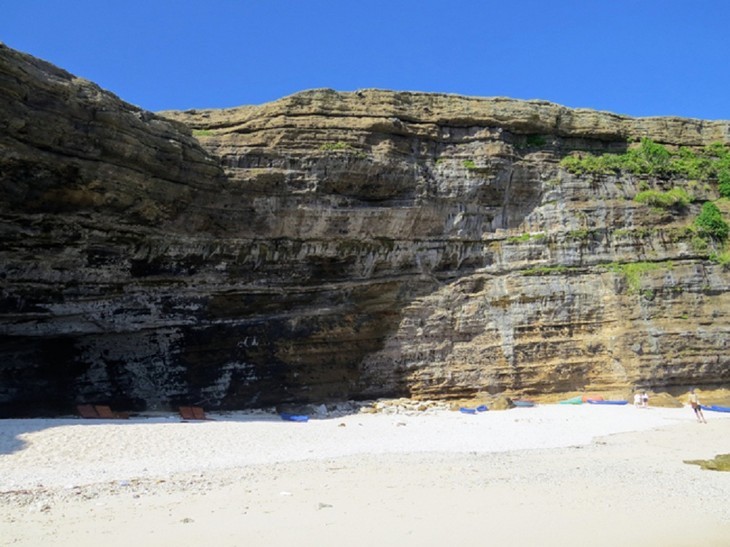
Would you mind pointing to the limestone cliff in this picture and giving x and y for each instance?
(339, 245)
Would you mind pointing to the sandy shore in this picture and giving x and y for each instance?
(532, 476)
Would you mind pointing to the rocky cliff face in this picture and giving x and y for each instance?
(338, 245)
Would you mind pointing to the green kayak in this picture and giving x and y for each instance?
(573, 401)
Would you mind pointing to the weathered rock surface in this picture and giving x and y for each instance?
(330, 246)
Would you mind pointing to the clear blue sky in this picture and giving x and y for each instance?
(637, 57)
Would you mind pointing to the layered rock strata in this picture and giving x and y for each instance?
(332, 246)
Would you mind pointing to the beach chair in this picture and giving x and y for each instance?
(87, 411)
(103, 412)
(192, 413)
(108, 414)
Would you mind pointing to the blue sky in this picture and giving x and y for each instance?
(638, 57)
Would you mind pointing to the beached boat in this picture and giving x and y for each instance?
(466, 410)
(716, 408)
(573, 401)
(294, 417)
(523, 403)
(604, 402)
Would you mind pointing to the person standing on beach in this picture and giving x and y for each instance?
(694, 402)
(641, 399)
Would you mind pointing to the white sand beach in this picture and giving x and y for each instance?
(594, 474)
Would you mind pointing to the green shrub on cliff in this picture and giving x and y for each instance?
(723, 178)
(691, 165)
(634, 271)
(710, 223)
(676, 198)
(547, 270)
(721, 156)
(651, 158)
(722, 258)
(598, 165)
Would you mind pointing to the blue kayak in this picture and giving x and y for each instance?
(480, 408)
(294, 417)
(716, 408)
(523, 403)
(601, 402)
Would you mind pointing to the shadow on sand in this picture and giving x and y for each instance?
(13, 431)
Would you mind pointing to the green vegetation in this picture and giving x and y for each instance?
(676, 198)
(639, 232)
(546, 270)
(698, 168)
(710, 223)
(335, 146)
(701, 244)
(202, 133)
(651, 158)
(676, 233)
(469, 164)
(582, 234)
(723, 179)
(634, 271)
(722, 258)
(598, 165)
